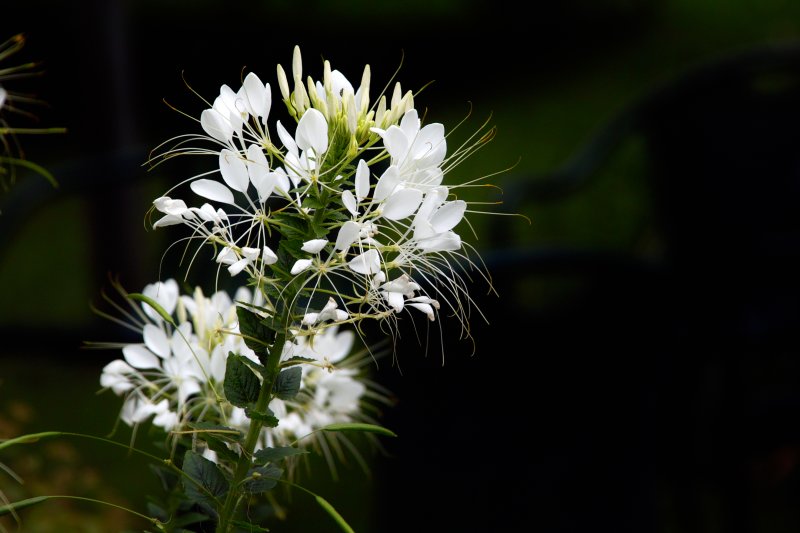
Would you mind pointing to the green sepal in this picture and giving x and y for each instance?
(263, 478)
(287, 385)
(273, 455)
(241, 383)
(208, 483)
(267, 418)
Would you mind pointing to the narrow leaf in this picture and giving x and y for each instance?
(357, 426)
(30, 438)
(334, 514)
(154, 304)
(16, 506)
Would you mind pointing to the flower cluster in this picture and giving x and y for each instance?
(175, 375)
(356, 194)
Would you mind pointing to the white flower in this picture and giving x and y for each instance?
(329, 312)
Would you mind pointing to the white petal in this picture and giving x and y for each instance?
(448, 216)
(312, 132)
(310, 319)
(410, 123)
(368, 262)
(386, 184)
(213, 190)
(216, 125)
(286, 139)
(314, 246)
(300, 265)
(238, 266)
(167, 220)
(250, 253)
(227, 256)
(234, 170)
(396, 143)
(165, 293)
(258, 95)
(362, 180)
(281, 180)
(395, 300)
(139, 357)
(402, 204)
(350, 203)
(268, 257)
(348, 233)
(156, 340)
(425, 308)
(262, 179)
(430, 146)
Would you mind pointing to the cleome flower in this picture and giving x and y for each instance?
(175, 375)
(348, 217)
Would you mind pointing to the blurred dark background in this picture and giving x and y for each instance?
(640, 369)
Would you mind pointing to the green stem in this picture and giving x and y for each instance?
(226, 515)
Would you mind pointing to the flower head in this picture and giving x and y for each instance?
(349, 213)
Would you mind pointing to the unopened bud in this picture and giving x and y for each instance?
(397, 95)
(283, 83)
(364, 90)
(297, 65)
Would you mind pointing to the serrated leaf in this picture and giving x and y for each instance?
(264, 478)
(241, 383)
(209, 485)
(273, 455)
(256, 335)
(287, 385)
(358, 426)
(220, 448)
(267, 418)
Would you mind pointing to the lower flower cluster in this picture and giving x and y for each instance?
(175, 376)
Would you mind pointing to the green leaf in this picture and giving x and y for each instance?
(357, 426)
(287, 385)
(334, 514)
(16, 506)
(204, 429)
(188, 518)
(267, 418)
(297, 361)
(247, 526)
(155, 305)
(210, 483)
(256, 333)
(241, 383)
(30, 438)
(264, 478)
(273, 455)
